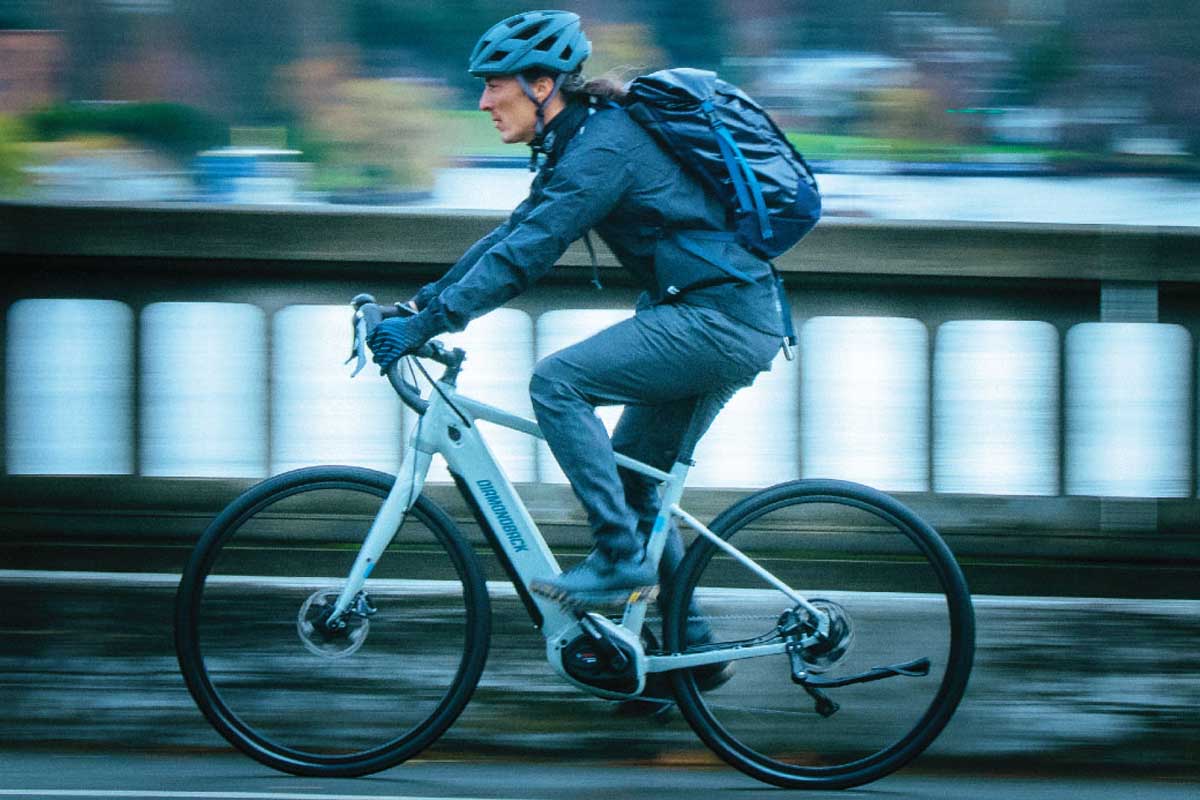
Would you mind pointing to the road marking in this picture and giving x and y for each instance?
(138, 793)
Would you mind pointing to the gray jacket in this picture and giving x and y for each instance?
(605, 172)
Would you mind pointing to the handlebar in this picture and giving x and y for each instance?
(368, 314)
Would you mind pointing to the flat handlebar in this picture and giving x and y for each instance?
(367, 315)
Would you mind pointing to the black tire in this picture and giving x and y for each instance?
(245, 660)
(905, 596)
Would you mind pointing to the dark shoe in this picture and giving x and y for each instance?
(657, 698)
(697, 634)
(598, 581)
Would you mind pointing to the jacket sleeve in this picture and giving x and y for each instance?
(585, 187)
(468, 259)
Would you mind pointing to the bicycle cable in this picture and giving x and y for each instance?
(438, 389)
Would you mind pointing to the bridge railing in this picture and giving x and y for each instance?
(1026, 379)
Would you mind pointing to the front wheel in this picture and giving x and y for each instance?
(892, 584)
(319, 700)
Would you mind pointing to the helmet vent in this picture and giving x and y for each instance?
(544, 45)
(499, 55)
(566, 53)
(530, 32)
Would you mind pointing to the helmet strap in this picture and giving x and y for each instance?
(539, 129)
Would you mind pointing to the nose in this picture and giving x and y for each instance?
(485, 102)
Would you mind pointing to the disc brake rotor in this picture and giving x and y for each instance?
(344, 639)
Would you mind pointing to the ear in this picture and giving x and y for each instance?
(542, 88)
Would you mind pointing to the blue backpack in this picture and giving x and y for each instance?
(727, 141)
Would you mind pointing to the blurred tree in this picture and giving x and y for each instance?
(418, 37)
(14, 155)
(21, 15)
(1047, 61)
(694, 34)
(173, 129)
(623, 50)
(912, 113)
(366, 133)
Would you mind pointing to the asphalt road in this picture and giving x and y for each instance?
(96, 774)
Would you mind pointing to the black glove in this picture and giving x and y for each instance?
(395, 338)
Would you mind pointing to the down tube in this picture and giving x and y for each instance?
(506, 522)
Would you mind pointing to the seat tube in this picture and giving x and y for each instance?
(672, 492)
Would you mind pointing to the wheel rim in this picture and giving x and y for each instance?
(876, 563)
(273, 695)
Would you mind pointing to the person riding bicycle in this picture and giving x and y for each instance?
(696, 337)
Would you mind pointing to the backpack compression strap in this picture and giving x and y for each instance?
(739, 171)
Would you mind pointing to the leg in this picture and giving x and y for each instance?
(663, 357)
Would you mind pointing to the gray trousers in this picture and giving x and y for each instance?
(673, 367)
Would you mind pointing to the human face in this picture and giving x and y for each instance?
(513, 114)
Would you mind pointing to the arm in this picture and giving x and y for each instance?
(585, 187)
(431, 290)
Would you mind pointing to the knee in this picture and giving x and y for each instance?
(548, 386)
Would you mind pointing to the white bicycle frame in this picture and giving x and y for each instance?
(448, 427)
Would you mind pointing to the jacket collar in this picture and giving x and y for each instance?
(559, 131)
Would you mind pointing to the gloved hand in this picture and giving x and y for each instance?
(394, 338)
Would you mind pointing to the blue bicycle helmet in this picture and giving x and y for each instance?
(552, 41)
(549, 40)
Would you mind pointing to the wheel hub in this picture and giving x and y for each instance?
(336, 638)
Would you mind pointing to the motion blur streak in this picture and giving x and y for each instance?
(499, 349)
(69, 388)
(204, 390)
(215, 400)
(1128, 409)
(995, 408)
(317, 416)
(864, 401)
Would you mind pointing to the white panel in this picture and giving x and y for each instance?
(1128, 410)
(499, 348)
(864, 401)
(318, 414)
(204, 390)
(996, 408)
(559, 329)
(755, 439)
(69, 388)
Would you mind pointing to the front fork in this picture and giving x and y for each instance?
(409, 483)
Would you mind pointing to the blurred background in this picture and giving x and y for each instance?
(192, 190)
(1069, 110)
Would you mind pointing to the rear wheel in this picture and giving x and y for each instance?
(282, 686)
(886, 578)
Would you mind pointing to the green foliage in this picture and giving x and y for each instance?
(21, 15)
(1049, 60)
(178, 130)
(361, 133)
(14, 154)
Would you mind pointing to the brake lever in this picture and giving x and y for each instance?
(358, 349)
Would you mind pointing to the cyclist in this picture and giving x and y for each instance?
(696, 337)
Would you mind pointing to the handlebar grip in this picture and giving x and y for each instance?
(361, 300)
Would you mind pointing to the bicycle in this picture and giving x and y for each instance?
(262, 655)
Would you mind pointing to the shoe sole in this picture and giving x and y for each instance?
(639, 594)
